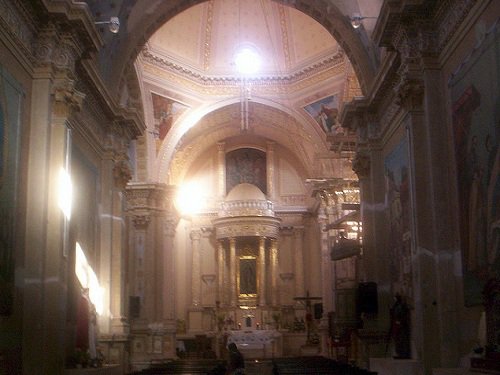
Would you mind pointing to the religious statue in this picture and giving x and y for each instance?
(400, 328)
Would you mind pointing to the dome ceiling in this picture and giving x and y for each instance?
(207, 37)
(187, 71)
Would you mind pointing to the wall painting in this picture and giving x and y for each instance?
(475, 110)
(246, 165)
(397, 192)
(325, 112)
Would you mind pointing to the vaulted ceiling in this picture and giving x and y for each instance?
(192, 93)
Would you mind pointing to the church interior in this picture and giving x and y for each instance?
(303, 178)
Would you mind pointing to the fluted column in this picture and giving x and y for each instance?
(270, 169)
(262, 271)
(232, 271)
(168, 273)
(220, 271)
(137, 265)
(221, 166)
(299, 261)
(195, 272)
(326, 268)
(274, 272)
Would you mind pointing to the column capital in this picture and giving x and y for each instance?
(195, 235)
(141, 221)
(122, 173)
(361, 164)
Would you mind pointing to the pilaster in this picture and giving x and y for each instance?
(299, 261)
(262, 272)
(54, 100)
(274, 271)
(196, 268)
(221, 168)
(270, 170)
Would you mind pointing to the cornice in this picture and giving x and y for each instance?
(18, 30)
(327, 63)
(127, 122)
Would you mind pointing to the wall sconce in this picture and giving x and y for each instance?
(356, 20)
(114, 24)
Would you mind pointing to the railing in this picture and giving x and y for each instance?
(247, 208)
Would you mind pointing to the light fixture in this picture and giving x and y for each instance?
(114, 24)
(247, 61)
(356, 20)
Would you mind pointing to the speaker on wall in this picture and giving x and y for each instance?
(367, 300)
(318, 310)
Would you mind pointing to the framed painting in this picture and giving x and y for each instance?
(246, 165)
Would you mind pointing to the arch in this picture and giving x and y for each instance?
(143, 24)
(169, 146)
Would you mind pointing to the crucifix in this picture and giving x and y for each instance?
(306, 301)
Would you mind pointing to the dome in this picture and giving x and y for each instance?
(245, 192)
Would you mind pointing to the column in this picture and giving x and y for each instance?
(326, 266)
(137, 269)
(232, 272)
(270, 170)
(274, 272)
(46, 264)
(262, 271)
(121, 174)
(196, 268)
(168, 273)
(221, 166)
(168, 290)
(299, 261)
(220, 271)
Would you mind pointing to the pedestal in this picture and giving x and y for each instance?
(389, 366)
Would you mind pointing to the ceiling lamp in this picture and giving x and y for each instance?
(114, 24)
(247, 61)
(356, 20)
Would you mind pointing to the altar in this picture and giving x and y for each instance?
(257, 343)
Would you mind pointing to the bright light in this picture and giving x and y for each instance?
(189, 198)
(247, 61)
(88, 280)
(65, 193)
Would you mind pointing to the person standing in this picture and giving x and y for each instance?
(236, 362)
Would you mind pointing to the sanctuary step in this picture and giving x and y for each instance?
(315, 365)
(186, 367)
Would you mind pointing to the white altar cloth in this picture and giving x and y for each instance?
(256, 343)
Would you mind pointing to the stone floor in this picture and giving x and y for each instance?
(258, 367)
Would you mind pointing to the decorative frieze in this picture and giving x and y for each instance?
(451, 15)
(252, 226)
(15, 23)
(153, 197)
